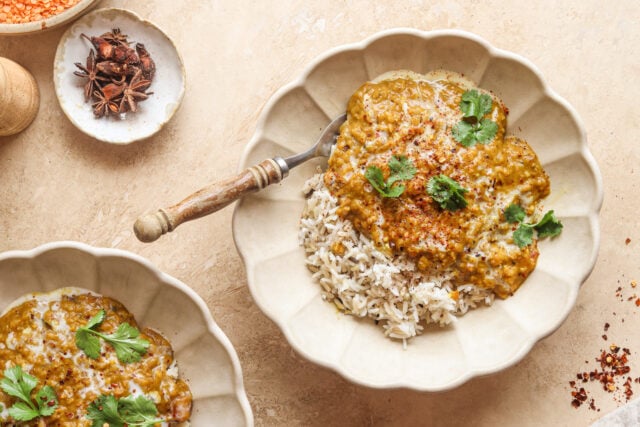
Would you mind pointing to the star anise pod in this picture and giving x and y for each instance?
(106, 100)
(116, 69)
(118, 75)
(134, 92)
(146, 63)
(90, 72)
(120, 52)
(115, 37)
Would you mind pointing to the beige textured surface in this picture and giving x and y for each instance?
(56, 183)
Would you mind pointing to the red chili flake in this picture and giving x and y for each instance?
(627, 241)
(613, 367)
(638, 302)
(606, 327)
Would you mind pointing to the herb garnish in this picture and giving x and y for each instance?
(474, 128)
(401, 169)
(548, 226)
(19, 384)
(514, 213)
(447, 192)
(129, 411)
(125, 340)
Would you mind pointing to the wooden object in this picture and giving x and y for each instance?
(19, 97)
(212, 198)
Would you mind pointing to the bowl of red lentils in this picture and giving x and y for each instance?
(19, 17)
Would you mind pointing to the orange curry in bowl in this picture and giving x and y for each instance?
(87, 350)
(408, 125)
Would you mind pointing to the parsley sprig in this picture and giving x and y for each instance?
(401, 169)
(548, 226)
(125, 340)
(19, 384)
(447, 192)
(129, 411)
(474, 127)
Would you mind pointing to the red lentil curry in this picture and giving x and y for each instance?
(38, 335)
(414, 116)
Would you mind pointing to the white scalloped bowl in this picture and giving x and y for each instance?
(205, 356)
(484, 340)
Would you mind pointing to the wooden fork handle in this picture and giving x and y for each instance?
(212, 198)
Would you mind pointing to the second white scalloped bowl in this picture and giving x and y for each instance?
(205, 356)
(483, 341)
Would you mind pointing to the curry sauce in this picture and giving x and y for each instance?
(39, 336)
(414, 117)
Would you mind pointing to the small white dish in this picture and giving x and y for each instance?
(205, 356)
(485, 340)
(75, 11)
(168, 85)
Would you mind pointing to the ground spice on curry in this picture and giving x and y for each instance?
(21, 12)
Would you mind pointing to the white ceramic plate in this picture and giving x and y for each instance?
(168, 85)
(206, 358)
(83, 6)
(483, 341)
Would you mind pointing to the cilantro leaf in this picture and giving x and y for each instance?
(129, 410)
(523, 236)
(401, 169)
(548, 226)
(127, 344)
(19, 384)
(126, 341)
(104, 410)
(447, 192)
(96, 320)
(463, 133)
(88, 342)
(474, 104)
(21, 411)
(486, 130)
(47, 400)
(139, 409)
(514, 213)
(474, 128)
(376, 179)
(395, 191)
(469, 134)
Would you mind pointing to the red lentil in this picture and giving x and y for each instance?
(23, 11)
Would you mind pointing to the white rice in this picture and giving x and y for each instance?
(365, 282)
